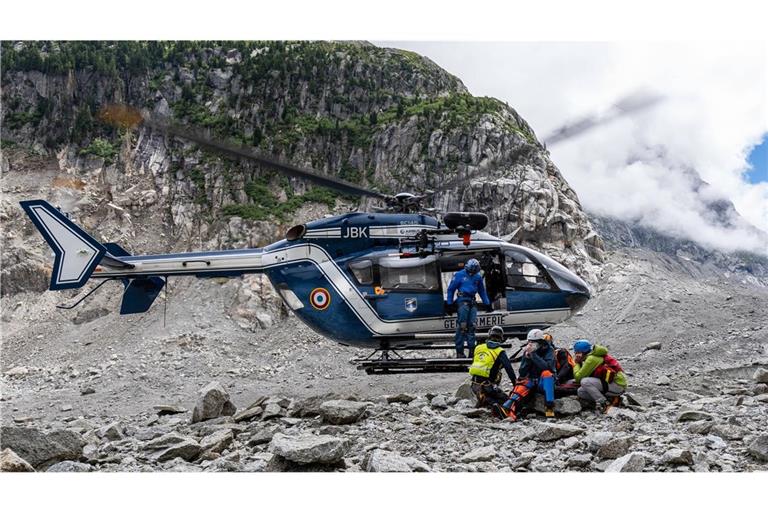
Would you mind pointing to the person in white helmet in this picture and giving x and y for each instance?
(537, 373)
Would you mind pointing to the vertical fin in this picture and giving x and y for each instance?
(76, 252)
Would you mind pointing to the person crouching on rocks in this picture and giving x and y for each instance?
(600, 377)
(488, 359)
(537, 373)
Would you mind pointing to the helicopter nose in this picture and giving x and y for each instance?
(577, 300)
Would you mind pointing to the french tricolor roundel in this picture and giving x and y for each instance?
(320, 298)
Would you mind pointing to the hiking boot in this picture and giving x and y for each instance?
(613, 402)
(499, 411)
(549, 412)
(511, 416)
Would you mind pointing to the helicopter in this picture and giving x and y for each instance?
(372, 280)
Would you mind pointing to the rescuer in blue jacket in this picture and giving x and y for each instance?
(467, 282)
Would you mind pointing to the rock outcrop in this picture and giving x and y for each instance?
(384, 118)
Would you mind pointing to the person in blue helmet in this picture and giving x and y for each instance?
(466, 283)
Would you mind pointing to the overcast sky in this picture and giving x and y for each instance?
(714, 114)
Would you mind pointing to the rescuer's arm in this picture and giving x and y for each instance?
(481, 291)
(505, 362)
(585, 369)
(452, 288)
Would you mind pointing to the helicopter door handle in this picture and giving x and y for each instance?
(185, 263)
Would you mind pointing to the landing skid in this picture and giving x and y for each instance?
(390, 361)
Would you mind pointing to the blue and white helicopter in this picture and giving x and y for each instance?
(373, 280)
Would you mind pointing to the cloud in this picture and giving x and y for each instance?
(715, 111)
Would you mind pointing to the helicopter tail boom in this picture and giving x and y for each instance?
(79, 257)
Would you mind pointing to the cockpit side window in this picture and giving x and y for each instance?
(363, 271)
(523, 273)
(418, 274)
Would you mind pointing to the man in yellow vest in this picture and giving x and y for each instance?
(488, 359)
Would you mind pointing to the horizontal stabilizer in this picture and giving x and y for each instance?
(76, 252)
(140, 293)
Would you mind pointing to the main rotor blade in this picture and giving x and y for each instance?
(639, 100)
(127, 116)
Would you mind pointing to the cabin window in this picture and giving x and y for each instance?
(417, 274)
(523, 273)
(363, 271)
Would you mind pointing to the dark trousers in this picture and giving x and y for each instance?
(487, 393)
(465, 326)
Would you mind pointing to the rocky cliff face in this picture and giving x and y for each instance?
(385, 118)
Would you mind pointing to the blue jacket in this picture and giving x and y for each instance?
(541, 359)
(467, 285)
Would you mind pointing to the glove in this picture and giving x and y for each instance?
(449, 308)
(488, 308)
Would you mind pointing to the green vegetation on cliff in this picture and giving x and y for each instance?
(334, 104)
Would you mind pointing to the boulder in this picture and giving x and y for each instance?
(213, 401)
(482, 454)
(614, 448)
(630, 463)
(382, 461)
(12, 463)
(400, 398)
(69, 466)
(308, 407)
(555, 431)
(164, 441)
(580, 460)
(465, 391)
(761, 376)
(759, 448)
(309, 448)
(728, 431)
(249, 413)
(654, 345)
(262, 436)
(39, 449)
(342, 412)
(597, 440)
(439, 402)
(113, 431)
(187, 449)
(663, 381)
(567, 406)
(218, 441)
(678, 457)
(694, 416)
(699, 427)
(271, 410)
(223, 465)
(635, 400)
